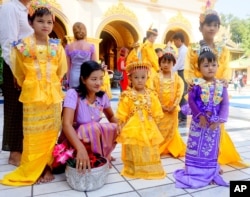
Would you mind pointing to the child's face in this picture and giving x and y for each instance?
(138, 79)
(209, 30)
(94, 82)
(43, 25)
(166, 66)
(208, 69)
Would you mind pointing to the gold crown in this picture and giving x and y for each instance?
(207, 10)
(38, 4)
(138, 66)
(153, 31)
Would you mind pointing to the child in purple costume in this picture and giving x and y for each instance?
(208, 100)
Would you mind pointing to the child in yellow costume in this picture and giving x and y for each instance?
(106, 81)
(169, 87)
(138, 113)
(209, 26)
(38, 64)
(148, 54)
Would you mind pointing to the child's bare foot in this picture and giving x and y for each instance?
(46, 176)
(15, 158)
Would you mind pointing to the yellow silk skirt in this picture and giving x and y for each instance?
(173, 143)
(41, 125)
(228, 153)
(142, 162)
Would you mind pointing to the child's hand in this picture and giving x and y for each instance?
(225, 82)
(170, 109)
(164, 109)
(203, 121)
(190, 87)
(214, 126)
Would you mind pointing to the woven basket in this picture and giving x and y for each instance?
(90, 180)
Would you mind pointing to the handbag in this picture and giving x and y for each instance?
(117, 76)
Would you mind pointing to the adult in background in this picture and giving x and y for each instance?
(78, 52)
(13, 26)
(121, 66)
(179, 67)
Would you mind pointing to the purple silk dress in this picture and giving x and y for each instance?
(101, 135)
(201, 165)
(77, 57)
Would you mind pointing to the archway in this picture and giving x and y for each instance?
(114, 35)
(172, 31)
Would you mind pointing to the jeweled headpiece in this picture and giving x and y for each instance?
(140, 65)
(207, 10)
(39, 4)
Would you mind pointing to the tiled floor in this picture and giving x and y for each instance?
(238, 128)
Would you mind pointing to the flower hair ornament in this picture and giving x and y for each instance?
(207, 10)
(40, 4)
(134, 66)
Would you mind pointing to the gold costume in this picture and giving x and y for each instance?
(170, 92)
(148, 54)
(140, 137)
(106, 85)
(228, 154)
(38, 70)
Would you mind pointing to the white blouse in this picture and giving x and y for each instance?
(14, 25)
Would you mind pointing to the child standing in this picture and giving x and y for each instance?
(106, 87)
(138, 112)
(209, 104)
(169, 87)
(38, 64)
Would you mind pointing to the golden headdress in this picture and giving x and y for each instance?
(140, 65)
(153, 31)
(38, 4)
(207, 10)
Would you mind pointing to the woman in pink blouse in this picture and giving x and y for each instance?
(83, 107)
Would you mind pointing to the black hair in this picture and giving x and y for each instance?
(206, 54)
(39, 12)
(158, 50)
(210, 18)
(179, 35)
(86, 69)
(169, 57)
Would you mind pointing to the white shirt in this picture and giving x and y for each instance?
(14, 25)
(179, 65)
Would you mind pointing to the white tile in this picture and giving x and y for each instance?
(170, 160)
(246, 170)
(4, 168)
(128, 194)
(164, 190)
(173, 167)
(69, 193)
(142, 184)
(217, 191)
(16, 191)
(227, 168)
(234, 175)
(47, 188)
(111, 189)
(112, 178)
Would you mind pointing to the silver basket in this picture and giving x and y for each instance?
(89, 181)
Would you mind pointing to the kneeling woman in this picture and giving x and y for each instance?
(82, 113)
